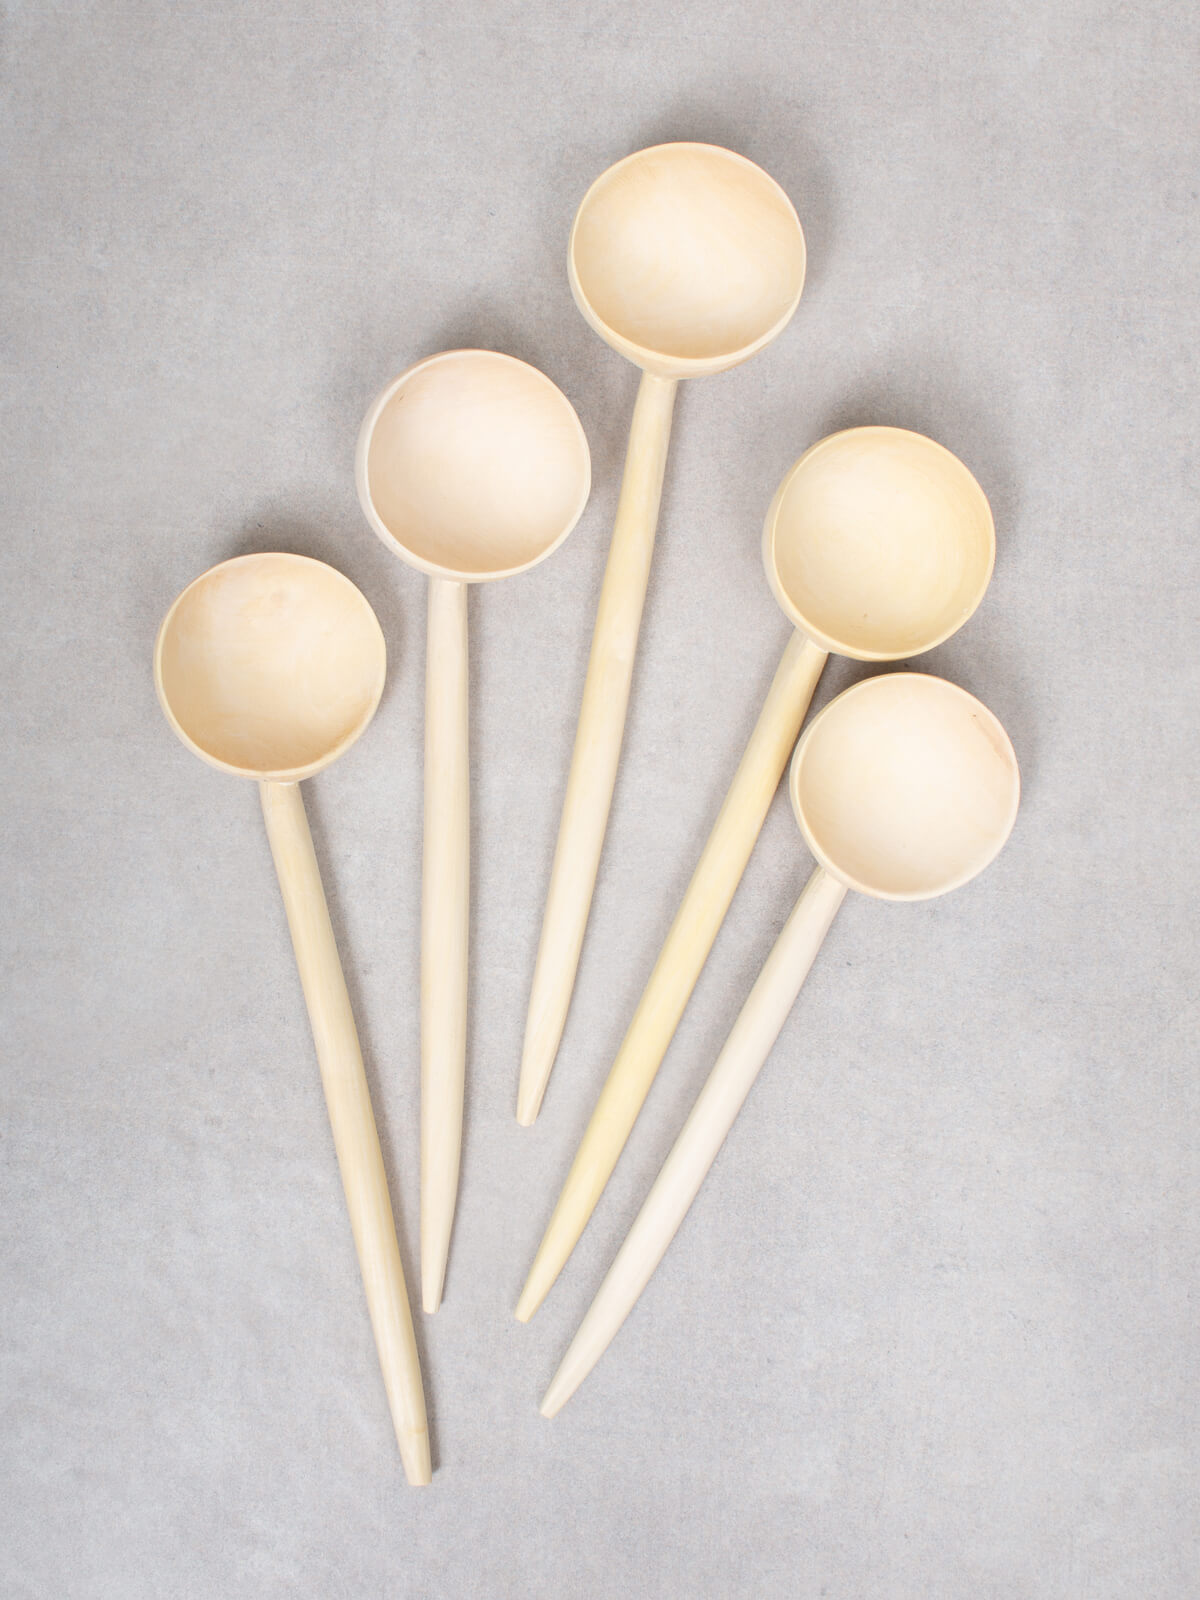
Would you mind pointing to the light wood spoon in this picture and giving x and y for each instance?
(471, 466)
(904, 787)
(687, 259)
(269, 667)
(878, 545)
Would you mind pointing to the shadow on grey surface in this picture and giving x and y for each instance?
(559, 346)
(774, 137)
(925, 390)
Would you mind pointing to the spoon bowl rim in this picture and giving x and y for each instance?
(366, 432)
(821, 636)
(281, 774)
(644, 356)
(865, 686)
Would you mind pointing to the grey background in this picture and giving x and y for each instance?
(928, 1331)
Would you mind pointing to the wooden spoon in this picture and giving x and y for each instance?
(687, 259)
(269, 667)
(471, 466)
(904, 787)
(878, 545)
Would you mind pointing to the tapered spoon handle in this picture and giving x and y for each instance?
(597, 740)
(354, 1134)
(679, 964)
(445, 908)
(754, 1033)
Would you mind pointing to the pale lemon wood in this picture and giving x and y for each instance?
(687, 259)
(355, 1137)
(598, 739)
(471, 466)
(738, 1065)
(905, 787)
(445, 910)
(270, 666)
(878, 544)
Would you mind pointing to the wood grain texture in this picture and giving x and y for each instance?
(445, 913)
(355, 1137)
(749, 1043)
(877, 544)
(686, 949)
(471, 466)
(687, 259)
(598, 738)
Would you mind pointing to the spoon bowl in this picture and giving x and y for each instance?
(686, 258)
(905, 787)
(879, 543)
(270, 666)
(472, 466)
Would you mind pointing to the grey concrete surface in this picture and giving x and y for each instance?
(930, 1330)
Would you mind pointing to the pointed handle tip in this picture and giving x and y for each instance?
(432, 1283)
(557, 1395)
(414, 1453)
(531, 1089)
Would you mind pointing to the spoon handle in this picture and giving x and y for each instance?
(597, 739)
(445, 911)
(749, 1043)
(354, 1134)
(696, 925)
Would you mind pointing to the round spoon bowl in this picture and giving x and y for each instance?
(686, 258)
(270, 666)
(905, 786)
(879, 543)
(472, 465)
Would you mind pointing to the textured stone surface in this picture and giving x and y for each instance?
(927, 1332)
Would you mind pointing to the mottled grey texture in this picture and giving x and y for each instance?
(927, 1333)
